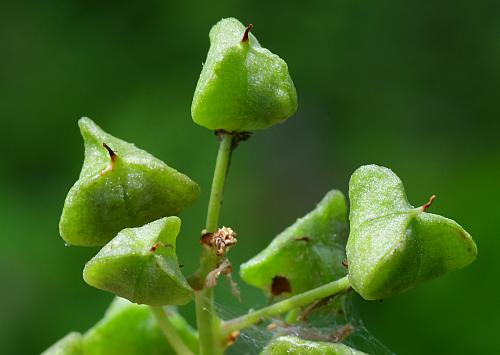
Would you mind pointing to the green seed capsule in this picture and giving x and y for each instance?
(305, 255)
(140, 264)
(130, 329)
(71, 344)
(393, 246)
(120, 186)
(242, 87)
(291, 345)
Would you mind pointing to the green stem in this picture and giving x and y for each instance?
(296, 301)
(221, 168)
(207, 321)
(170, 332)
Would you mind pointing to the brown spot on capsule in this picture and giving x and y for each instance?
(303, 239)
(245, 35)
(280, 285)
(345, 263)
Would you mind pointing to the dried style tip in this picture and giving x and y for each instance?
(429, 203)
(111, 153)
(247, 31)
(112, 156)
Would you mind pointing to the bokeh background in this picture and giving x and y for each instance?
(411, 85)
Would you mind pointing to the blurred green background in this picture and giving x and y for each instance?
(411, 85)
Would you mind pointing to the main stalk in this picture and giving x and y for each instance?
(207, 321)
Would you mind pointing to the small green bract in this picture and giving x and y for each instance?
(120, 186)
(393, 246)
(242, 87)
(140, 265)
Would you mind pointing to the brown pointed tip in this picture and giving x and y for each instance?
(247, 31)
(112, 156)
(111, 152)
(429, 203)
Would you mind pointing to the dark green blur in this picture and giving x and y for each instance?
(410, 85)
